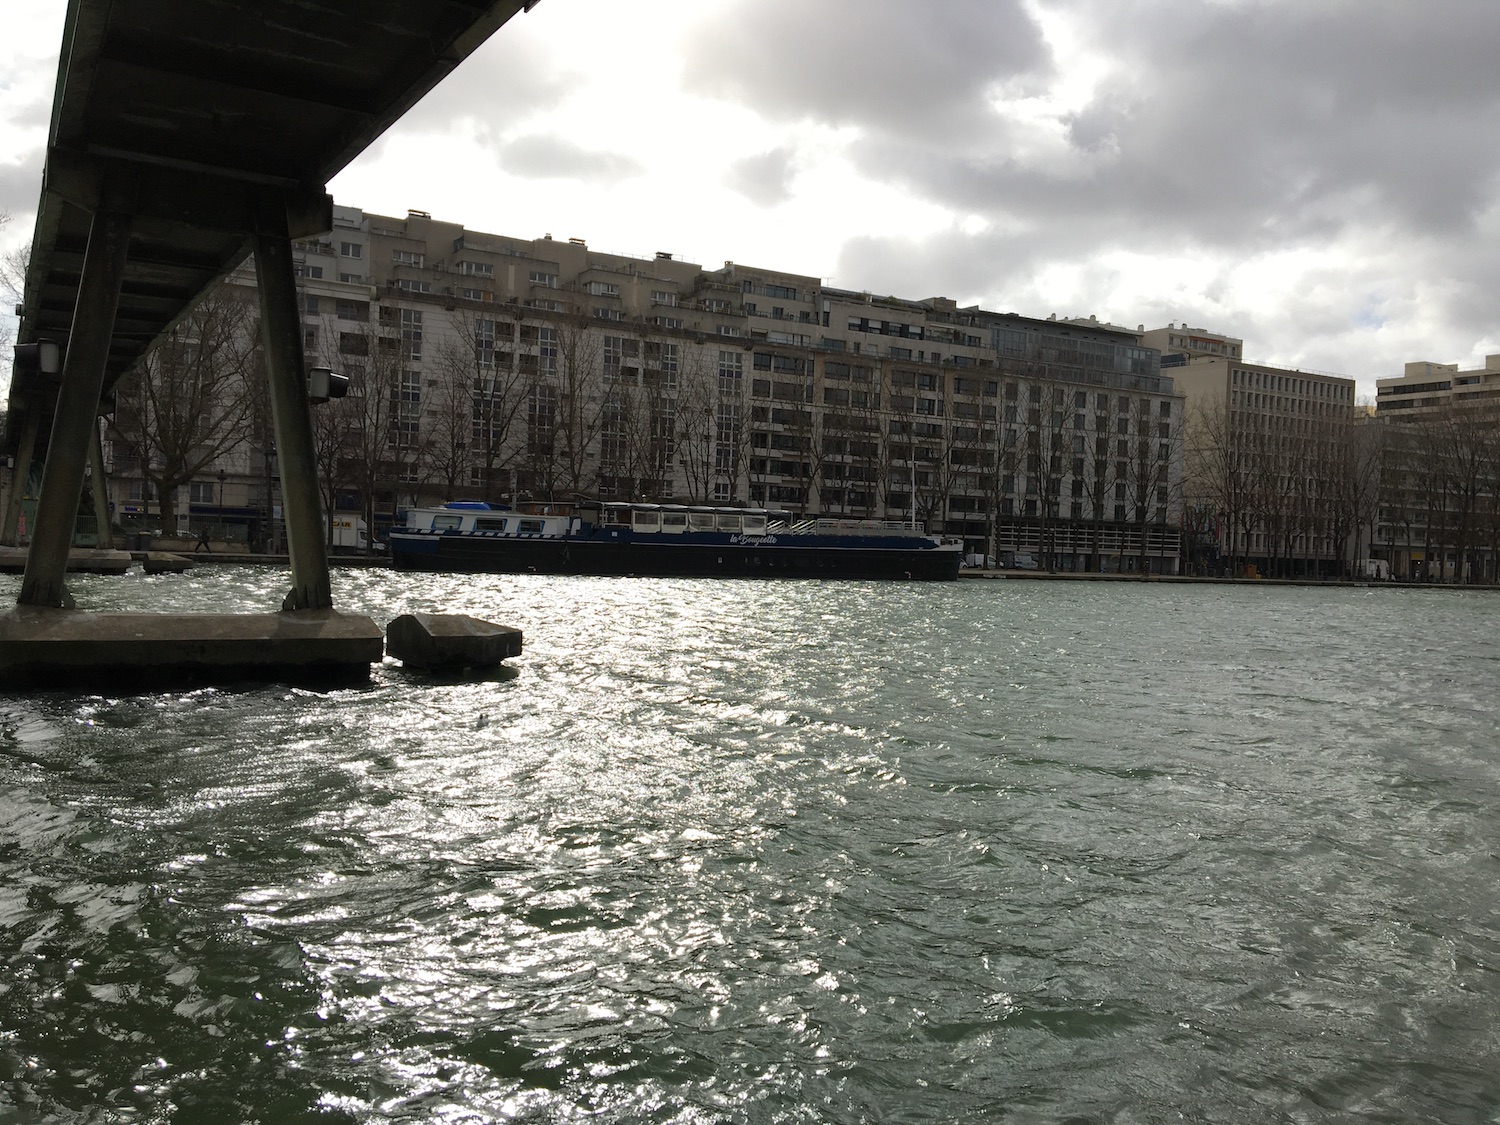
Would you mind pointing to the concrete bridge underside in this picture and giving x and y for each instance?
(184, 138)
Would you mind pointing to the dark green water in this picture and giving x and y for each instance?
(775, 852)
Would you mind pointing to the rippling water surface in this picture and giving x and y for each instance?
(774, 852)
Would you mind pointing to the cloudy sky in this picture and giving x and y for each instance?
(1319, 178)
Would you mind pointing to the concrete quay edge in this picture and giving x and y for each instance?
(68, 649)
(1194, 579)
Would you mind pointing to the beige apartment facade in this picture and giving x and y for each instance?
(539, 370)
(1268, 460)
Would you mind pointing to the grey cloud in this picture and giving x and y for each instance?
(764, 178)
(1365, 132)
(882, 64)
(1242, 125)
(517, 72)
(20, 189)
(544, 157)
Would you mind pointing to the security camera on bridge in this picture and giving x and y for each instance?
(323, 383)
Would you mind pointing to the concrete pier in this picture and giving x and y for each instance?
(80, 560)
(42, 648)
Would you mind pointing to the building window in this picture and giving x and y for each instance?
(411, 333)
(541, 277)
(541, 420)
(351, 250)
(669, 365)
(408, 258)
(614, 356)
(547, 351)
(484, 343)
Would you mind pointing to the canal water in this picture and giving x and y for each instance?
(774, 852)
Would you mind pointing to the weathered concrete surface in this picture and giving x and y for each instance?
(164, 562)
(454, 640)
(80, 561)
(64, 649)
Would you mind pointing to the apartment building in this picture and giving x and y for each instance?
(1439, 500)
(1268, 458)
(540, 369)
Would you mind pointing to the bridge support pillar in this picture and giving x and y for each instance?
(104, 535)
(291, 414)
(10, 532)
(74, 424)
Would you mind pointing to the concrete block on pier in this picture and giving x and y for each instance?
(450, 640)
(73, 650)
(81, 560)
(165, 562)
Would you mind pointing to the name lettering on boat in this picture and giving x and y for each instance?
(752, 540)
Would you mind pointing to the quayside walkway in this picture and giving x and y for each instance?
(179, 147)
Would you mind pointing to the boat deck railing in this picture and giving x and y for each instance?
(847, 527)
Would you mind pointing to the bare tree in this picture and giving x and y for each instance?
(697, 425)
(13, 265)
(570, 357)
(1218, 470)
(367, 433)
(481, 393)
(190, 401)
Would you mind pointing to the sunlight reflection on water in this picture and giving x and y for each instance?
(774, 851)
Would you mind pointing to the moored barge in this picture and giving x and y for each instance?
(665, 540)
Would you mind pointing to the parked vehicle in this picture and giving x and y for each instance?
(350, 533)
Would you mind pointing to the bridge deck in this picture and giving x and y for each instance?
(216, 111)
(184, 136)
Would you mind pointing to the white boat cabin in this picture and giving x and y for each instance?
(679, 519)
(473, 517)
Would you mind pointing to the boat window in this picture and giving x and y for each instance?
(530, 527)
(646, 521)
(489, 523)
(729, 523)
(755, 523)
(673, 521)
(443, 520)
(701, 521)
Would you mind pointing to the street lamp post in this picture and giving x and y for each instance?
(222, 534)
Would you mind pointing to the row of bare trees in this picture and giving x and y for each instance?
(1439, 493)
(507, 404)
(1289, 494)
